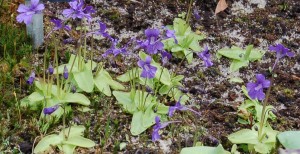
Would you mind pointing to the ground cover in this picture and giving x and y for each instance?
(209, 88)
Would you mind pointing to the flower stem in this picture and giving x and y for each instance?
(57, 74)
(156, 88)
(265, 103)
(189, 12)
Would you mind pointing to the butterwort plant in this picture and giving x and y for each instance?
(261, 133)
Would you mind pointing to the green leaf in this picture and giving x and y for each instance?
(236, 65)
(188, 55)
(244, 136)
(177, 48)
(290, 139)
(67, 148)
(204, 150)
(256, 54)
(76, 98)
(165, 77)
(236, 80)
(104, 81)
(164, 89)
(137, 123)
(45, 143)
(74, 131)
(178, 78)
(194, 45)
(35, 97)
(162, 109)
(124, 99)
(88, 65)
(129, 75)
(233, 53)
(263, 148)
(148, 117)
(84, 80)
(79, 141)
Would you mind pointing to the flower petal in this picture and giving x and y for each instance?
(34, 3)
(40, 7)
(22, 8)
(148, 60)
(260, 78)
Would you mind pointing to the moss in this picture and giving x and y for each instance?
(288, 92)
(201, 75)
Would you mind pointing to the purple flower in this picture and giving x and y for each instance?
(102, 30)
(114, 49)
(165, 56)
(153, 44)
(196, 14)
(50, 69)
(50, 110)
(158, 125)
(66, 73)
(89, 10)
(281, 52)
(59, 25)
(180, 107)
(31, 78)
(205, 56)
(171, 34)
(255, 89)
(148, 70)
(26, 12)
(77, 10)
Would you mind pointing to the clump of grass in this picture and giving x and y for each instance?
(14, 44)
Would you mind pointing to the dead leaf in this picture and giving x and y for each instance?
(222, 5)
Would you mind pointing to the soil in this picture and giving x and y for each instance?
(209, 88)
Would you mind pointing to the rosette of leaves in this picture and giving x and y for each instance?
(240, 58)
(143, 106)
(47, 95)
(73, 138)
(188, 41)
(261, 144)
(249, 112)
(166, 83)
(82, 75)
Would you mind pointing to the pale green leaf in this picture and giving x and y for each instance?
(236, 80)
(149, 116)
(124, 99)
(73, 131)
(79, 141)
(244, 136)
(163, 75)
(164, 89)
(129, 75)
(45, 143)
(137, 123)
(236, 65)
(233, 53)
(290, 139)
(204, 150)
(35, 97)
(104, 81)
(84, 80)
(263, 148)
(76, 98)
(67, 148)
